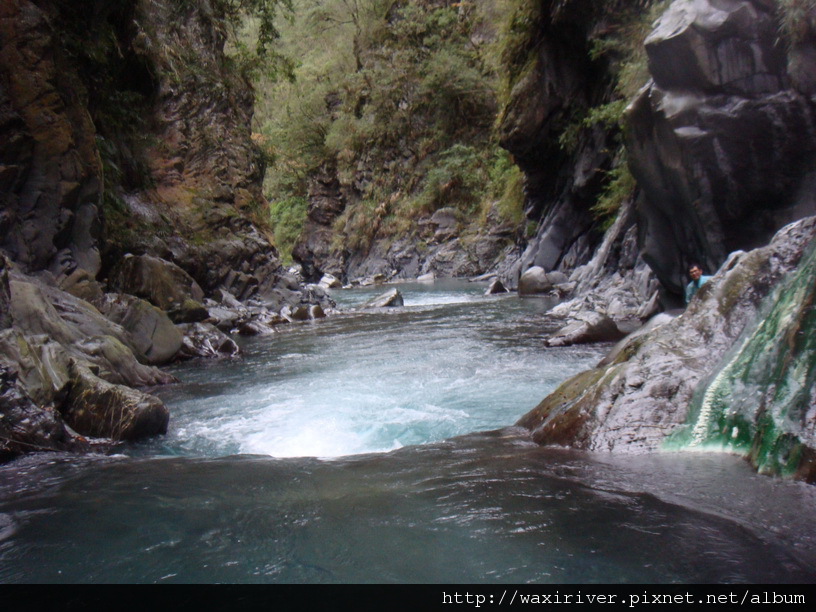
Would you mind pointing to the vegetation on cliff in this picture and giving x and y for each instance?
(396, 100)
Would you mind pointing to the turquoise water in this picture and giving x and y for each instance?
(342, 451)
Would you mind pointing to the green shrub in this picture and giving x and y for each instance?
(288, 217)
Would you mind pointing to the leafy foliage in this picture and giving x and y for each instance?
(797, 19)
(395, 98)
(288, 217)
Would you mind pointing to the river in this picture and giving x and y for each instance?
(374, 446)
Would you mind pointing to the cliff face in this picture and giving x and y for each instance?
(51, 183)
(722, 141)
(132, 219)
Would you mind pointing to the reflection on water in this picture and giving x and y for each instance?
(217, 500)
(481, 508)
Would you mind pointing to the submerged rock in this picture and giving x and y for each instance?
(390, 299)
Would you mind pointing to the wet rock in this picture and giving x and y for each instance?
(26, 427)
(206, 340)
(584, 328)
(389, 299)
(100, 409)
(496, 287)
(316, 312)
(426, 278)
(298, 313)
(642, 395)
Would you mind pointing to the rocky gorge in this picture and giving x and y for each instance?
(133, 240)
(129, 226)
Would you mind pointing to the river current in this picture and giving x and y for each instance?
(376, 447)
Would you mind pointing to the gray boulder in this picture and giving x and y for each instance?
(160, 282)
(206, 340)
(585, 328)
(151, 330)
(100, 409)
(636, 400)
(535, 281)
(389, 299)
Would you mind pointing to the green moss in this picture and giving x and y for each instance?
(288, 217)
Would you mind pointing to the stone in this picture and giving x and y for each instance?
(426, 278)
(161, 282)
(330, 282)
(206, 340)
(389, 299)
(634, 400)
(188, 311)
(496, 287)
(151, 330)
(534, 281)
(100, 409)
(27, 427)
(585, 328)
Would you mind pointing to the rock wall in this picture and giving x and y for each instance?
(556, 81)
(50, 171)
(131, 215)
(723, 139)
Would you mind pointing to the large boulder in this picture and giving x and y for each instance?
(537, 280)
(636, 400)
(25, 426)
(160, 282)
(100, 409)
(151, 331)
(389, 299)
(163, 284)
(206, 340)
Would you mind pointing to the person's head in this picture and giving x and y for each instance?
(695, 271)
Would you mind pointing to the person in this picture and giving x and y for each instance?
(698, 279)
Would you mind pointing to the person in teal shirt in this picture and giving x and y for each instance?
(698, 279)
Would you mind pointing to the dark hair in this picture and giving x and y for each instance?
(694, 264)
